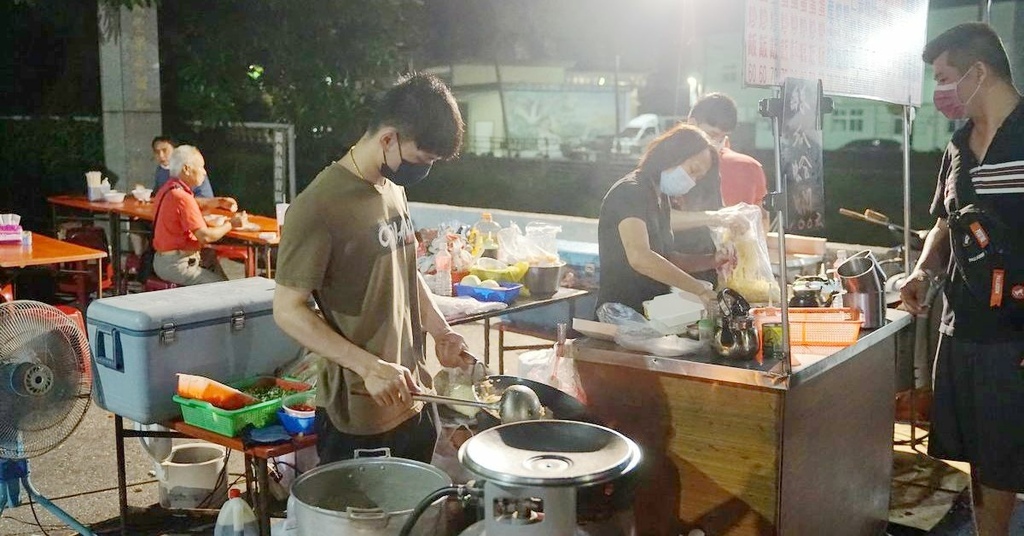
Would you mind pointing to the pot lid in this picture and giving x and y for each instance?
(550, 453)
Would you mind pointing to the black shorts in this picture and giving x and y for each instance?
(978, 409)
(413, 439)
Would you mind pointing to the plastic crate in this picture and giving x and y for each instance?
(508, 292)
(231, 422)
(813, 326)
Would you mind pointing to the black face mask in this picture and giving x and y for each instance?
(408, 173)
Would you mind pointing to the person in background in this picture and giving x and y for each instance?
(350, 243)
(977, 412)
(742, 178)
(162, 147)
(180, 233)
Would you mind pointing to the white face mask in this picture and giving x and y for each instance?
(676, 182)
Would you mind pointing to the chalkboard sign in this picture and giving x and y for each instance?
(858, 48)
(801, 156)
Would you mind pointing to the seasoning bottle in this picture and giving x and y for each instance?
(443, 277)
(485, 234)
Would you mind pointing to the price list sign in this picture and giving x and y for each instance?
(858, 48)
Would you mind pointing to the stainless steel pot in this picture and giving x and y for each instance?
(367, 497)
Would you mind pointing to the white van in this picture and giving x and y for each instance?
(640, 131)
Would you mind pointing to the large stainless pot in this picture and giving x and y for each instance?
(367, 497)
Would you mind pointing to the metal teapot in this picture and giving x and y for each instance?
(812, 291)
(735, 335)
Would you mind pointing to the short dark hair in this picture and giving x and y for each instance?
(160, 138)
(672, 149)
(968, 43)
(424, 110)
(717, 110)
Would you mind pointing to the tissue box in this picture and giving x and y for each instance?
(10, 233)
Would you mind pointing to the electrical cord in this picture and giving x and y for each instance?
(461, 491)
(32, 506)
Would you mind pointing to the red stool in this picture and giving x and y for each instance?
(155, 283)
(76, 316)
(236, 253)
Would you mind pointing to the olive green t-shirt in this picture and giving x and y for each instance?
(354, 243)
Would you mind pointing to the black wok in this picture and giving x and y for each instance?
(562, 406)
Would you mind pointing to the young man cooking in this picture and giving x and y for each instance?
(979, 205)
(350, 242)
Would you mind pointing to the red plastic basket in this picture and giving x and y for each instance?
(813, 326)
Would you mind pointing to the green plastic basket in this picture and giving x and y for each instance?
(231, 422)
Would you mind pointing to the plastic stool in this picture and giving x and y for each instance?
(76, 316)
(155, 283)
(236, 253)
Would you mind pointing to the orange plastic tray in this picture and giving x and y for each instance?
(813, 326)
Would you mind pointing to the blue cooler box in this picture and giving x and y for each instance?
(224, 331)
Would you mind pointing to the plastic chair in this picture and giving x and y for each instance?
(79, 278)
(236, 253)
(155, 283)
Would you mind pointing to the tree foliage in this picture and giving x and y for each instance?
(313, 64)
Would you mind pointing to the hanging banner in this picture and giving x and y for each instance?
(858, 48)
(801, 156)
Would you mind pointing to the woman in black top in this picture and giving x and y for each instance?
(635, 230)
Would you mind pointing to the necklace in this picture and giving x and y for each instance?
(352, 156)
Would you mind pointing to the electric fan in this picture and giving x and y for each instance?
(44, 393)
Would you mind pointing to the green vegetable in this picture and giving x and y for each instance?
(263, 393)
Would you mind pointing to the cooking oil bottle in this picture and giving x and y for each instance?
(485, 237)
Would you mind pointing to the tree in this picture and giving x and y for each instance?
(313, 64)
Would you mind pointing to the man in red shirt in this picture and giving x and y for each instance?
(180, 233)
(743, 179)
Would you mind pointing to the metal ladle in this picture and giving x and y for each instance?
(517, 403)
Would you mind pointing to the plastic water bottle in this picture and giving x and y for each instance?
(486, 237)
(443, 278)
(236, 517)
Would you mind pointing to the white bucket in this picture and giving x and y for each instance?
(192, 477)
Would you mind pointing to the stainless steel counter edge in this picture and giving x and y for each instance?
(597, 351)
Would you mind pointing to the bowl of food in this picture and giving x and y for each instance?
(300, 405)
(295, 425)
(114, 196)
(215, 220)
(142, 194)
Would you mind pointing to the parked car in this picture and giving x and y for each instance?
(873, 146)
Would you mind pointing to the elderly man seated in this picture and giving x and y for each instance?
(180, 233)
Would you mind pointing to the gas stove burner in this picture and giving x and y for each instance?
(550, 454)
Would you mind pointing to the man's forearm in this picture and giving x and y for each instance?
(313, 333)
(935, 253)
(431, 317)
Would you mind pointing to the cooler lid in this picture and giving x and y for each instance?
(184, 306)
(550, 453)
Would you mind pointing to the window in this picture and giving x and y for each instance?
(848, 120)
(730, 73)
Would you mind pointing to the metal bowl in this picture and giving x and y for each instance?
(543, 281)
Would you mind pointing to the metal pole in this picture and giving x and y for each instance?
(618, 111)
(291, 163)
(783, 207)
(908, 121)
(985, 11)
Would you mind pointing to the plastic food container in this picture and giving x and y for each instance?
(300, 405)
(114, 197)
(295, 425)
(506, 293)
(230, 423)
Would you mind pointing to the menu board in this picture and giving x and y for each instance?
(858, 48)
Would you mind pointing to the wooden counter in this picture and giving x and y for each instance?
(737, 448)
